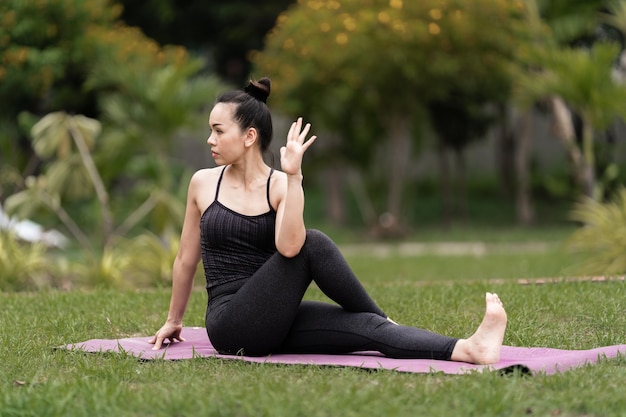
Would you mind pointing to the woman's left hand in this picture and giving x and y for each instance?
(291, 154)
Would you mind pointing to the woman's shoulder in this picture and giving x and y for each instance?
(279, 178)
(206, 174)
(203, 185)
(206, 177)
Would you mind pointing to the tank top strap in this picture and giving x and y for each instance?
(219, 182)
(268, 189)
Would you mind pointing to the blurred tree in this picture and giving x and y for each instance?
(583, 78)
(457, 121)
(47, 51)
(68, 145)
(571, 22)
(68, 142)
(224, 30)
(615, 17)
(575, 77)
(145, 116)
(146, 96)
(40, 63)
(366, 69)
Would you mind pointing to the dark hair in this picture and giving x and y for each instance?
(251, 109)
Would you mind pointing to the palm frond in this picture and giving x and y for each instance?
(601, 240)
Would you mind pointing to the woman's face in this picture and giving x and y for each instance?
(226, 139)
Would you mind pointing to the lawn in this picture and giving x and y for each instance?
(440, 292)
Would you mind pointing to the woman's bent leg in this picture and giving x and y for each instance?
(333, 275)
(258, 316)
(255, 318)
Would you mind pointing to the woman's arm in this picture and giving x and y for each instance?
(290, 229)
(184, 270)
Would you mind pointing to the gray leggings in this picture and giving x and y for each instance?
(266, 314)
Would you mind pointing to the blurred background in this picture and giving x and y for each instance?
(434, 117)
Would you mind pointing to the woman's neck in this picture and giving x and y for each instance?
(249, 173)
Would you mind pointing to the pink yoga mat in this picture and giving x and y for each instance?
(197, 344)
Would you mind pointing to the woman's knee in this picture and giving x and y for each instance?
(316, 237)
(318, 246)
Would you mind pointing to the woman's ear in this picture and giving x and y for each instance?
(251, 137)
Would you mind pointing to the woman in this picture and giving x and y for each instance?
(245, 221)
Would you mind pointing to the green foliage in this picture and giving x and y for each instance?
(583, 78)
(52, 137)
(54, 140)
(144, 261)
(146, 114)
(10, 180)
(42, 53)
(40, 40)
(149, 96)
(570, 20)
(26, 202)
(615, 16)
(601, 239)
(24, 266)
(363, 57)
(574, 67)
(225, 30)
(70, 141)
(70, 173)
(365, 70)
(49, 48)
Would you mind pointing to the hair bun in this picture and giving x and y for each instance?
(259, 89)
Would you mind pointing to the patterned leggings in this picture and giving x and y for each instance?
(266, 314)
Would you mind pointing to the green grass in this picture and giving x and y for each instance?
(418, 270)
(444, 294)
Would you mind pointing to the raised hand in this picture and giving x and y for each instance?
(291, 154)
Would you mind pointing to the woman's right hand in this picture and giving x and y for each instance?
(168, 331)
(297, 143)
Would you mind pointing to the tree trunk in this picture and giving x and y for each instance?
(563, 128)
(446, 189)
(335, 207)
(400, 151)
(505, 152)
(589, 164)
(461, 183)
(523, 201)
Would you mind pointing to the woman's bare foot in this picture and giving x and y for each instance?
(484, 346)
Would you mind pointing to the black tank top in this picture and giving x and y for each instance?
(235, 245)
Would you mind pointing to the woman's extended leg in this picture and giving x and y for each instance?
(327, 328)
(324, 328)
